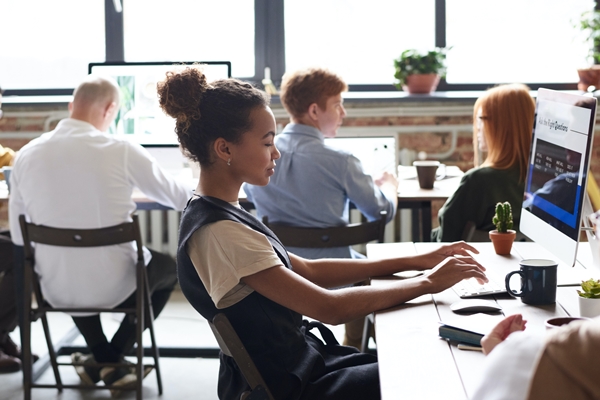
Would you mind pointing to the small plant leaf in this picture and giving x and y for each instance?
(590, 289)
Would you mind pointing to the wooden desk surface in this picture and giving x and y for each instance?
(414, 362)
(409, 190)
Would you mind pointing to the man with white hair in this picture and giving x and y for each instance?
(78, 176)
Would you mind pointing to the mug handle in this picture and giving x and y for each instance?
(442, 175)
(507, 284)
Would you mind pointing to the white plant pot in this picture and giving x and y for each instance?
(589, 307)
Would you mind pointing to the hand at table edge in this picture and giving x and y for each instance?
(510, 324)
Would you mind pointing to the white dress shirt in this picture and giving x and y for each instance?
(509, 368)
(79, 177)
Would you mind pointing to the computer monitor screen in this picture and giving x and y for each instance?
(556, 181)
(376, 154)
(140, 118)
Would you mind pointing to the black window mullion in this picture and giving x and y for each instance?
(440, 23)
(260, 42)
(269, 39)
(113, 25)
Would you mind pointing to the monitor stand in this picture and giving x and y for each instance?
(587, 265)
(593, 238)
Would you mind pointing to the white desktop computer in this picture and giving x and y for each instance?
(140, 118)
(376, 154)
(555, 187)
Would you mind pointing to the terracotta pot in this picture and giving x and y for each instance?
(503, 241)
(421, 83)
(588, 77)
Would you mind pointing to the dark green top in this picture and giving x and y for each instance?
(475, 200)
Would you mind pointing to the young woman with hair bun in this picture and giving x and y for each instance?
(229, 262)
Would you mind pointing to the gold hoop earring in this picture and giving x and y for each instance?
(229, 161)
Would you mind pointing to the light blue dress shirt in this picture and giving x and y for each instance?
(312, 187)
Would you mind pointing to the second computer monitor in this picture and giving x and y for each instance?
(558, 169)
(140, 118)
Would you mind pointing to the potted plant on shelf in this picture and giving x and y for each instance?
(503, 236)
(420, 72)
(589, 298)
(589, 25)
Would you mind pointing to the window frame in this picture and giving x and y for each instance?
(270, 50)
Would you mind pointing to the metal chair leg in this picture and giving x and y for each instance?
(364, 347)
(150, 316)
(52, 353)
(139, 331)
(26, 335)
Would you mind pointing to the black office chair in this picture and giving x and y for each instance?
(232, 346)
(472, 234)
(335, 236)
(123, 233)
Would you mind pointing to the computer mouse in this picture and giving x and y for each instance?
(475, 306)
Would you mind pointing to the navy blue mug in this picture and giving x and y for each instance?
(538, 281)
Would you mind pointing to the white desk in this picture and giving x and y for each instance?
(414, 362)
(411, 196)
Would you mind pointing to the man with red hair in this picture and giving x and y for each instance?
(313, 183)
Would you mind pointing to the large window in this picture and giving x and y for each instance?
(47, 44)
(184, 30)
(357, 39)
(532, 41)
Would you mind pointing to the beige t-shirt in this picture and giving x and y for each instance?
(226, 251)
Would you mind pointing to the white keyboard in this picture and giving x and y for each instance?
(471, 288)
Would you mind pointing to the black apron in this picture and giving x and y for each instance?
(278, 340)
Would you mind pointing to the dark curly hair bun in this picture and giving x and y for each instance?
(180, 95)
(205, 112)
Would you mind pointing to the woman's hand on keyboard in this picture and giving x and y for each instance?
(453, 270)
(456, 249)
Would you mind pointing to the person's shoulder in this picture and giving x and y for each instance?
(32, 144)
(122, 144)
(477, 177)
(232, 233)
(337, 152)
(485, 173)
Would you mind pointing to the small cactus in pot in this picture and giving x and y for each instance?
(503, 236)
(503, 220)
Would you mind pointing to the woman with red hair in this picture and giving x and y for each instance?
(502, 126)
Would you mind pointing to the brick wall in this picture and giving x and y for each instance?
(22, 123)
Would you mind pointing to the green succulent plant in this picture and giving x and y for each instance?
(414, 62)
(503, 220)
(590, 289)
(590, 27)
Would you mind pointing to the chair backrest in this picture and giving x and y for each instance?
(335, 236)
(68, 237)
(471, 234)
(232, 346)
